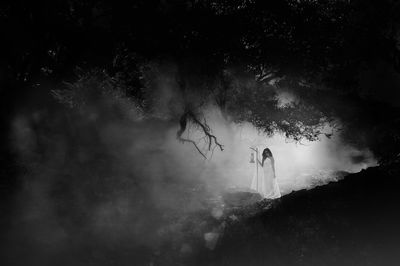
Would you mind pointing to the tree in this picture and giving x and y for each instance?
(235, 53)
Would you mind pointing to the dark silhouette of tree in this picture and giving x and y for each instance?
(242, 51)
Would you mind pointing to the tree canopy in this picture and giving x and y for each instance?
(237, 54)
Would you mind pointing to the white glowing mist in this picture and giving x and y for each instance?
(134, 182)
(298, 166)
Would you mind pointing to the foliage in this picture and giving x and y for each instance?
(307, 44)
(97, 90)
(259, 104)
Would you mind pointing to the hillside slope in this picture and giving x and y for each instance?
(355, 221)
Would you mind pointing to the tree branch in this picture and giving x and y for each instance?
(189, 116)
(194, 144)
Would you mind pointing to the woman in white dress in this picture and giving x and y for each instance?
(264, 178)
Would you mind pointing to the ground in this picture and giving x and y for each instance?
(354, 221)
(351, 222)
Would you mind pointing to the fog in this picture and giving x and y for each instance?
(107, 178)
(299, 165)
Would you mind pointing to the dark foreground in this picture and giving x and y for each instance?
(355, 221)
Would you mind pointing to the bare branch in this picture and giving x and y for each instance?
(207, 131)
(195, 145)
(208, 137)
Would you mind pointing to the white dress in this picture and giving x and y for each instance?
(266, 183)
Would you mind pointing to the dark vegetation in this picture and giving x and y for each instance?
(350, 222)
(328, 53)
(340, 59)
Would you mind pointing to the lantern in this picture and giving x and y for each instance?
(252, 158)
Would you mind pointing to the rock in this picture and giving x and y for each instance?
(211, 239)
(233, 218)
(217, 212)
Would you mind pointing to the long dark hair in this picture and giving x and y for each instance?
(267, 153)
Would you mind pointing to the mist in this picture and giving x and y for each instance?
(299, 165)
(128, 132)
(108, 175)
